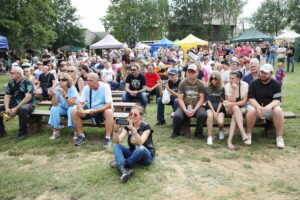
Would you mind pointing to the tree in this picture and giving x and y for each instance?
(271, 16)
(134, 20)
(294, 15)
(66, 25)
(27, 24)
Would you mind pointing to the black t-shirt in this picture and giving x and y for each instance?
(200, 74)
(46, 81)
(148, 143)
(264, 93)
(136, 83)
(263, 50)
(292, 54)
(60, 58)
(47, 56)
(126, 59)
(174, 86)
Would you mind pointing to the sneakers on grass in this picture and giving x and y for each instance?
(209, 140)
(107, 143)
(248, 142)
(81, 139)
(280, 142)
(221, 135)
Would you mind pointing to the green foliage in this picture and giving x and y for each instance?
(294, 15)
(132, 21)
(271, 16)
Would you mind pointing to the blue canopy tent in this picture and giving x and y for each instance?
(3, 42)
(164, 42)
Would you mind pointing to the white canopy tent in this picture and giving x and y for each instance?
(108, 42)
(288, 35)
(142, 46)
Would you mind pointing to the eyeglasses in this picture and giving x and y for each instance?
(70, 71)
(133, 70)
(26, 71)
(213, 78)
(63, 80)
(192, 71)
(133, 114)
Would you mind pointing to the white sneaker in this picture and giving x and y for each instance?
(248, 142)
(55, 135)
(221, 135)
(280, 142)
(172, 114)
(209, 140)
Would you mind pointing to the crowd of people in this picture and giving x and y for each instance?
(214, 81)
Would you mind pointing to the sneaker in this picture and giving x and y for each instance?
(107, 143)
(209, 140)
(248, 142)
(174, 135)
(113, 164)
(20, 137)
(221, 135)
(200, 136)
(172, 114)
(280, 142)
(160, 123)
(55, 135)
(80, 140)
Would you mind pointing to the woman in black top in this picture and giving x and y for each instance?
(77, 81)
(141, 149)
(215, 95)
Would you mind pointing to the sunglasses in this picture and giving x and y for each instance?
(213, 78)
(70, 71)
(192, 72)
(133, 70)
(133, 114)
(63, 80)
(26, 71)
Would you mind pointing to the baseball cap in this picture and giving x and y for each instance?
(193, 67)
(173, 72)
(267, 68)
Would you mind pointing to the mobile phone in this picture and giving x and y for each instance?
(122, 121)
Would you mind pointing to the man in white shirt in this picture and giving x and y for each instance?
(281, 51)
(108, 75)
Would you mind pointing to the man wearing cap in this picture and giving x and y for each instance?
(153, 84)
(190, 99)
(254, 71)
(135, 86)
(172, 87)
(264, 98)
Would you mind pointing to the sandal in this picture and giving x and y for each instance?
(230, 145)
(55, 135)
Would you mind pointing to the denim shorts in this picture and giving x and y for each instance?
(97, 118)
(267, 114)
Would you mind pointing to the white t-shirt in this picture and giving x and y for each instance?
(244, 89)
(108, 74)
(281, 52)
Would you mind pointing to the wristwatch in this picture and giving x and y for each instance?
(67, 97)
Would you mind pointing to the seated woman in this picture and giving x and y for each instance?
(77, 81)
(236, 92)
(215, 95)
(64, 97)
(141, 149)
(29, 76)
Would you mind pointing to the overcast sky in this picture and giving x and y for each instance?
(90, 11)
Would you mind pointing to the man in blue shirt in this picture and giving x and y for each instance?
(94, 103)
(272, 55)
(254, 68)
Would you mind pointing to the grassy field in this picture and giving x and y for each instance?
(185, 168)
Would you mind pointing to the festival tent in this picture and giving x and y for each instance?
(164, 42)
(142, 46)
(108, 42)
(3, 42)
(288, 36)
(252, 35)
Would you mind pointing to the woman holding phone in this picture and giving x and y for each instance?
(141, 149)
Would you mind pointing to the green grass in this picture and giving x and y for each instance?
(185, 168)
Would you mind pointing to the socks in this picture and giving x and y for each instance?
(107, 137)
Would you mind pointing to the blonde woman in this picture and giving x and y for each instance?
(64, 97)
(29, 76)
(76, 80)
(215, 95)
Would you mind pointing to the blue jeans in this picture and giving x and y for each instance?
(125, 156)
(290, 60)
(55, 114)
(161, 107)
(113, 85)
(126, 97)
(122, 84)
(272, 59)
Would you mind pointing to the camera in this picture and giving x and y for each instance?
(122, 121)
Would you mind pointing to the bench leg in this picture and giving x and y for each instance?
(270, 132)
(185, 128)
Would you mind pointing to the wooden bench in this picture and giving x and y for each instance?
(36, 122)
(267, 125)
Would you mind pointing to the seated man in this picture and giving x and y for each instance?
(254, 68)
(172, 87)
(135, 86)
(264, 98)
(18, 100)
(108, 75)
(190, 99)
(153, 85)
(94, 103)
(45, 82)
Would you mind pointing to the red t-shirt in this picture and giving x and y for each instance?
(152, 79)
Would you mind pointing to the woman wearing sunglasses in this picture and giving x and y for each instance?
(215, 94)
(141, 149)
(29, 76)
(64, 97)
(77, 81)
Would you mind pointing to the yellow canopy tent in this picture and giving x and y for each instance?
(189, 42)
